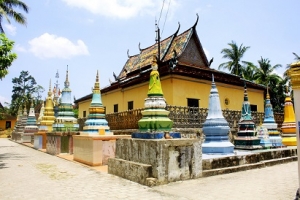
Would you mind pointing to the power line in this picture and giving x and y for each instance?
(161, 11)
(166, 17)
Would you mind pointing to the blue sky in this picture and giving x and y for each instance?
(91, 35)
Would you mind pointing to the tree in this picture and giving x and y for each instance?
(265, 72)
(235, 65)
(24, 86)
(6, 56)
(7, 11)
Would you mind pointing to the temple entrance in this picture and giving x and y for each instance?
(7, 124)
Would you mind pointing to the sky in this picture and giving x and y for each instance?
(91, 35)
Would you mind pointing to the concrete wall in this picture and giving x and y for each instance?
(157, 161)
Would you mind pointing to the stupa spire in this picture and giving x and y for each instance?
(289, 123)
(67, 83)
(96, 123)
(247, 135)
(216, 128)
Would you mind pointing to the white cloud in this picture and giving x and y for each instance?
(52, 46)
(124, 9)
(10, 29)
(19, 48)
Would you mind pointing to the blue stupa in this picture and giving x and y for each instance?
(247, 135)
(270, 124)
(65, 120)
(216, 128)
(96, 123)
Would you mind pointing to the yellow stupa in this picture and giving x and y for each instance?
(288, 128)
(47, 119)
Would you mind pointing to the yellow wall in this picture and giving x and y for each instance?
(3, 123)
(176, 90)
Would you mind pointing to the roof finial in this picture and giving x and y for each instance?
(67, 83)
(268, 96)
(128, 53)
(140, 46)
(196, 21)
(97, 76)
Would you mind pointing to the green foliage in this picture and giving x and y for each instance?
(7, 11)
(6, 56)
(234, 54)
(25, 91)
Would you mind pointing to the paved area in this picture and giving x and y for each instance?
(26, 173)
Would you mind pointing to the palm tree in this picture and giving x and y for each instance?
(265, 72)
(235, 55)
(249, 72)
(7, 11)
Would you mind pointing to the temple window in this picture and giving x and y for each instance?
(253, 107)
(130, 105)
(226, 101)
(116, 108)
(84, 114)
(192, 102)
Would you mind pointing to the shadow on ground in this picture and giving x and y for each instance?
(9, 156)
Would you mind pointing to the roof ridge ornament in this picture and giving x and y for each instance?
(128, 53)
(196, 21)
(140, 47)
(177, 29)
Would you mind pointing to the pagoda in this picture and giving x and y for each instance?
(65, 121)
(56, 94)
(288, 127)
(215, 127)
(270, 124)
(31, 128)
(41, 113)
(246, 136)
(20, 131)
(96, 123)
(155, 123)
(46, 123)
(14, 134)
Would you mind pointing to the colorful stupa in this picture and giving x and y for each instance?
(246, 136)
(270, 124)
(216, 128)
(31, 127)
(23, 123)
(46, 123)
(41, 113)
(56, 94)
(96, 123)
(263, 135)
(155, 123)
(15, 136)
(66, 120)
(288, 128)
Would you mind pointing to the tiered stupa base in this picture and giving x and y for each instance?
(276, 141)
(26, 137)
(222, 147)
(94, 150)
(156, 135)
(247, 143)
(263, 135)
(60, 142)
(289, 140)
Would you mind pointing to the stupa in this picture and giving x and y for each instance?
(270, 124)
(155, 123)
(216, 128)
(263, 135)
(31, 128)
(21, 128)
(56, 94)
(288, 127)
(46, 123)
(65, 121)
(41, 113)
(246, 136)
(15, 136)
(96, 123)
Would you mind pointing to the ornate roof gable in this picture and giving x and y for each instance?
(186, 45)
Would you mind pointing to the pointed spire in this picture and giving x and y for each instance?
(49, 92)
(67, 83)
(268, 96)
(96, 88)
(245, 92)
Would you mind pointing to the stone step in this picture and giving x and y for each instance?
(245, 167)
(134, 171)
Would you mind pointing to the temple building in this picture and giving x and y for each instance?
(183, 66)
